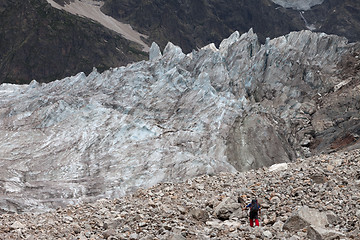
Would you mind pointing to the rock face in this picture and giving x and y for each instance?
(40, 42)
(192, 24)
(206, 207)
(177, 116)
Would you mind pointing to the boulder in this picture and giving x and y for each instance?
(199, 214)
(305, 217)
(318, 233)
(17, 225)
(278, 167)
(224, 210)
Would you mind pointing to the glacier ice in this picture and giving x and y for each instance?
(166, 119)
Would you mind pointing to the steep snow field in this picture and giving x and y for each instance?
(91, 9)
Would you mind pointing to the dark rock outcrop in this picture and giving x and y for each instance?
(40, 42)
(193, 24)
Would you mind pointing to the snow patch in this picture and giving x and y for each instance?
(298, 4)
(91, 9)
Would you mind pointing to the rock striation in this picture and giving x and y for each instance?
(209, 207)
(177, 116)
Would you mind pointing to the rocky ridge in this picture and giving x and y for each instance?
(314, 198)
(237, 107)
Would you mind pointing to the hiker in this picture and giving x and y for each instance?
(255, 209)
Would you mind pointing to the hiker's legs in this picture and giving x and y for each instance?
(257, 222)
(251, 222)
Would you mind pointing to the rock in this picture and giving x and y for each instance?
(305, 217)
(17, 225)
(215, 223)
(181, 209)
(134, 236)
(319, 179)
(232, 225)
(275, 200)
(82, 236)
(68, 219)
(294, 238)
(76, 228)
(108, 233)
(199, 214)
(295, 223)
(224, 210)
(332, 218)
(278, 167)
(177, 237)
(358, 214)
(267, 234)
(318, 233)
(112, 223)
(244, 155)
(278, 225)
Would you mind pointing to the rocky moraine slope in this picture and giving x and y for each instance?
(321, 200)
(176, 116)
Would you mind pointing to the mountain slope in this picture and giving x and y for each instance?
(190, 24)
(91, 9)
(193, 24)
(43, 43)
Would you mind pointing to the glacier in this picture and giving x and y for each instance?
(167, 119)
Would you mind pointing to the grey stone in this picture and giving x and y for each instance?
(358, 213)
(318, 233)
(295, 223)
(199, 214)
(224, 210)
(305, 217)
(278, 167)
(76, 228)
(17, 225)
(134, 236)
(177, 237)
(108, 233)
(332, 218)
(267, 234)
